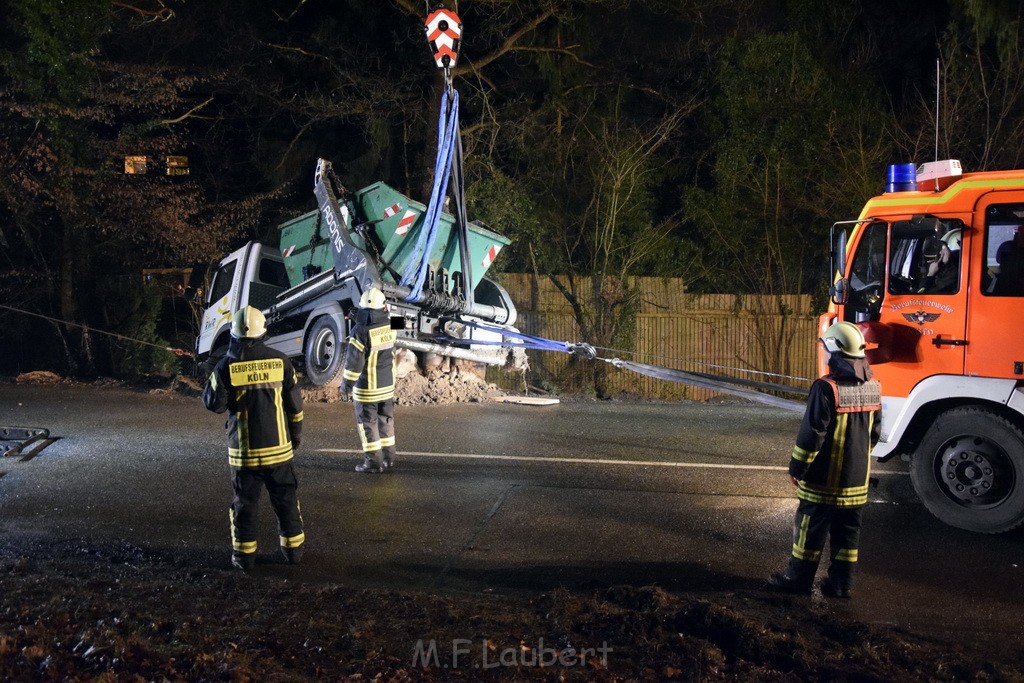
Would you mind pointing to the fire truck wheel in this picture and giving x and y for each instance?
(969, 470)
(324, 353)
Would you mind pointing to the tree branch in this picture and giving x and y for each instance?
(163, 14)
(410, 7)
(190, 112)
(508, 46)
(288, 18)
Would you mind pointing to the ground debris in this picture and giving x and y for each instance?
(113, 620)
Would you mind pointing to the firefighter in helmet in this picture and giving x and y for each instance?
(369, 376)
(830, 464)
(256, 386)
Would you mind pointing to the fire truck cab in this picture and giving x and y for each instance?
(933, 274)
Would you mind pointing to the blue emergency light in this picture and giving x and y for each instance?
(901, 177)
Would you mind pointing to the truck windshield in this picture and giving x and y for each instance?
(867, 270)
(222, 281)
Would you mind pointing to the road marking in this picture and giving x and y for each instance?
(577, 461)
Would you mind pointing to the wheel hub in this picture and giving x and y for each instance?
(973, 471)
(324, 349)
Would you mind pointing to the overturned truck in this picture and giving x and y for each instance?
(430, 268)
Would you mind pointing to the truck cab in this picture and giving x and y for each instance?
(930, 273)
(252, 276)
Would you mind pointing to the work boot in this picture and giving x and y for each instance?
(292, 555)
(834, 590)
(839, 581)
(368, 465)
(244, 561)
(787, 583)
(388, 463)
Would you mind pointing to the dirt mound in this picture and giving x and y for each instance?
(455, 386)
(183, 385)
(38, 377)
(415, 388)
(442, 382)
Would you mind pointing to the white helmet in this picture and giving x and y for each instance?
(372, 298)
(845, 338)
(953, 239)
(248, 323)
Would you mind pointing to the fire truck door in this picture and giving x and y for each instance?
(924, 305)
(996, 295)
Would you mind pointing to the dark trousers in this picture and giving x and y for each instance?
(813, 526)
(282, 486)
(376, 425)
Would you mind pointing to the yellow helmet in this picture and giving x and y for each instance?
(372, 298)
(845, 338)
(248, 323)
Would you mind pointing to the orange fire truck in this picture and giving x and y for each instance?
(933, 274)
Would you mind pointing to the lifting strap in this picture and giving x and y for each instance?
(415, 273)
(444, 34)
(717, 383)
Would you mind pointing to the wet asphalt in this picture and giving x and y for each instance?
(499, 499)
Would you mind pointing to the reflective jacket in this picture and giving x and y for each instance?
(257, 386)
(832, 455)
(370, 361)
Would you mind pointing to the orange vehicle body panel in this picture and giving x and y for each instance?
(977, 334)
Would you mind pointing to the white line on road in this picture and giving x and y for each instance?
(577, 461)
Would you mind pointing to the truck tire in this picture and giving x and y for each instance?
(969, 471)
(324, 351)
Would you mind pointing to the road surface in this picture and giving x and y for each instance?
(499, 499)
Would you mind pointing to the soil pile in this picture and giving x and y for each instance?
(442, 382)
(455, 386)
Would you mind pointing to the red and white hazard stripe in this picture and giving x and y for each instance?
(407, 220)
(491, 254)
(391, 210)
(288, 251)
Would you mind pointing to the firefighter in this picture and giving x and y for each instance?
(369, 376)
(257, 386)
(830, 465)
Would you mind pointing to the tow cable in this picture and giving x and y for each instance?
(176, 352)
(755, 390)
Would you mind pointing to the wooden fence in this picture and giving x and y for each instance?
(734, 335)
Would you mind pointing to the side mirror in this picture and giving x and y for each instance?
(840, 291)
(839, 250)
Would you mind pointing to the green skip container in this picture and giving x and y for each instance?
(392, 224)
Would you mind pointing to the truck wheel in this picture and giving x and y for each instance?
(969, 471)
(323, 351)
